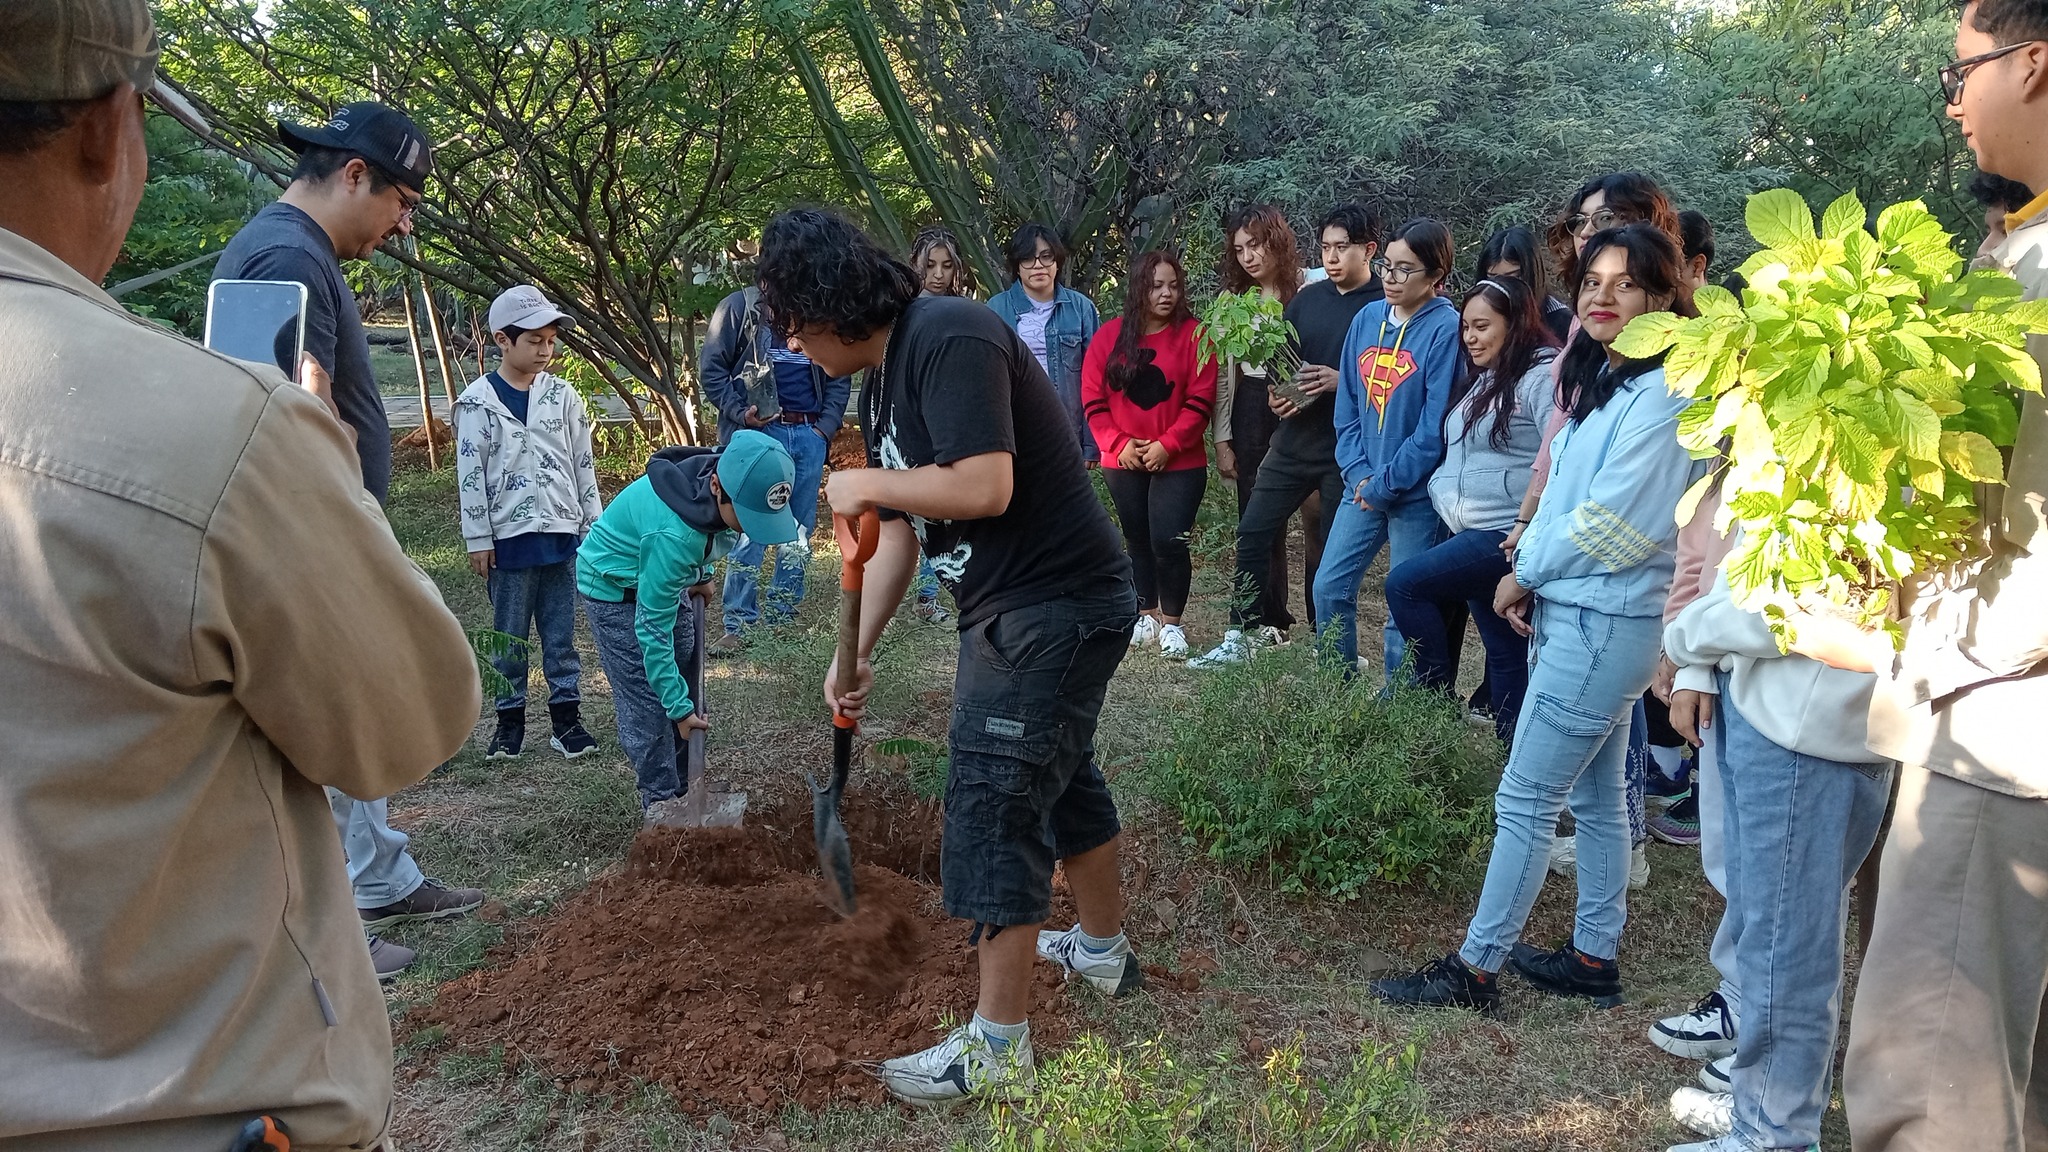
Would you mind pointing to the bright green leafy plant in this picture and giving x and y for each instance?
(1250, 328)
(1851, 399)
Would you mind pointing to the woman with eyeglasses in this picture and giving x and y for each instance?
(1513, 252)
(1589, 584)
(1055, 321)
(1149, 395)
(1491, 432)
(1263, 255)
(1399, 363)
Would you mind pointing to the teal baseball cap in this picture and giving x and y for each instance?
(758, 476)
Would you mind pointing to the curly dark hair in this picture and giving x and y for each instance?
(1123, 357)
(933, 239)
(1269, 229)
(817, 268)
(1633, 196)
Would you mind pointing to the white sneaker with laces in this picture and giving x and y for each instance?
(1638, 868)
(1268, 636)
(1711, 1114)
(1718, 1144)
(1718, 1075)
(1707, 1032)
(1173, 642)
(1235, 649)
(1145, 631)
(1113, 973)
(958, 1067)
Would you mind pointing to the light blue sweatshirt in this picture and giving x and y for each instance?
(1393, 385)
(1605, 535)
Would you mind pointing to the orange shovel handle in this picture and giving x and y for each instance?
(857, 540)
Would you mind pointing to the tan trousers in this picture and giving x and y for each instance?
(1946, 1051)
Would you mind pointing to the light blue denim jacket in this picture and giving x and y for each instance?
(1605, 535)
(1073, 324)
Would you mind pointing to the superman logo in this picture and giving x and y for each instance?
(1382, 370)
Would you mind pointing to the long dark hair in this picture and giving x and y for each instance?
(1269, 227)
(1123, 358)
(1630, 193)
(1519, 245)
(1490, 393)
(1654, 261)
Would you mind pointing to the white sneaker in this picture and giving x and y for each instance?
(1113, 973)
(1719, 1144)
(1718, 1075)
(1173, 642)
(1145, 631)
(1564, 855)
(1711, 1114)
(1705, 1033)
(1235, 649)
(1638, 868)
(960, 1066)
(1267, 636)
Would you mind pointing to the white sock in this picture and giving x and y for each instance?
(1100, 945)
(1001, 1036)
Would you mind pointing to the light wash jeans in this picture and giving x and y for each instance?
(646, 734)
(1407, 530)
(743, 606)
(1709, 789)
(1798, 827)
(543, 600)
(379, 868)
(1586, 671)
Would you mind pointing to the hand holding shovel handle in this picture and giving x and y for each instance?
(857, 540)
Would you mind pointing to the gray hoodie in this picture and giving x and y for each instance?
(1477, 485)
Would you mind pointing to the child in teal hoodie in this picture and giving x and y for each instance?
(1394, 383)
(659, 537)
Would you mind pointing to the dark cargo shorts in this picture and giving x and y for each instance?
(1023, 790)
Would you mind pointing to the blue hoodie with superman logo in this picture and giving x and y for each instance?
(1394, 384)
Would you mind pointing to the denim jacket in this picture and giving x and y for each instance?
(1606, 532)
(1073, 324)
(723, 361)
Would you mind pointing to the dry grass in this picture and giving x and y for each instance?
(1543, 1075)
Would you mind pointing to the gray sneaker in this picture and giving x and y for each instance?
(388, 959)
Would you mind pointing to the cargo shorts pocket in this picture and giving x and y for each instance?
(1005, 751)
(1570, 719)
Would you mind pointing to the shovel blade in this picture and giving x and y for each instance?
(835, 856)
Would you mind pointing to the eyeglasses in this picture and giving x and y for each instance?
(1953, 74)
(1395, 273)
(1584, 225)
(1039, 260)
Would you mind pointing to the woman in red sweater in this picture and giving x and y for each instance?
(1148, 398)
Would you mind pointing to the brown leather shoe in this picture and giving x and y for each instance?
(432, 900)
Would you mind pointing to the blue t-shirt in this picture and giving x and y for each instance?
(793, 386)
(283, 243)
(530, 549)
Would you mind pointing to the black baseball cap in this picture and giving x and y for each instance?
(384, 137)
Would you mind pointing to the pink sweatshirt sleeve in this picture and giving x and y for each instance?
(1700, 552)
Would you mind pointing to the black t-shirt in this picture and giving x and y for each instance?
(283, 243)
(1321, 316)
(958, 382)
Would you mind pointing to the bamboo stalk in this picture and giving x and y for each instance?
(419, 367)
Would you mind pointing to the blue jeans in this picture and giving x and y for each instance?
(1798, 827)
(1587, 670)
(646, 733)
(742, 596)
(543, 599)
(1407, 529)
(927, 582)
(379, 868)
(1463, 569)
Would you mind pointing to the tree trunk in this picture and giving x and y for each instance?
(419, 367)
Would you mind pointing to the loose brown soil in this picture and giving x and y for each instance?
(711, 966)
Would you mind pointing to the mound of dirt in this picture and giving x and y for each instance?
(711, 966)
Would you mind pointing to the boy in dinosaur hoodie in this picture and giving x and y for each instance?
(660, 537)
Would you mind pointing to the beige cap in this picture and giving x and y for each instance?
(75, 49)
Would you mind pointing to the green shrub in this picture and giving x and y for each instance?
(1283, 767)
(1093, 1097)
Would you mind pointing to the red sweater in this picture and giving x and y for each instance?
(1169, 399)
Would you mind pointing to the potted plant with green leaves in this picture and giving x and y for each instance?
(1251, 329)
(1851, 400)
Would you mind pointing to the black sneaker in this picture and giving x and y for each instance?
(1445, 983)
(510, 739)
(1569, 972)
(571, 739)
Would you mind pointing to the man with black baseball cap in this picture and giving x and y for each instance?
(359, 177)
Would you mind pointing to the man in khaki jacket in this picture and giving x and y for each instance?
(200, 625)
(1947, 1049)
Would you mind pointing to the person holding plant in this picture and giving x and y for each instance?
(1263, 257)
(527, 478)
(1589, 584)
(1149, 394)
(935, 256)
(1301, 464)
(1491, 431)
(1399, 364)
(1055, 321)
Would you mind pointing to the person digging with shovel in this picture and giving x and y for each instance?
(661, 536)
(972, 461)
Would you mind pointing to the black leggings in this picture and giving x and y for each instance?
(1157, 510)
